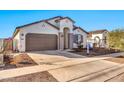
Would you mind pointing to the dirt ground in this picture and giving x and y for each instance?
(118, 78)
(35, 77)
(119, 59)
(21, 60)
(95, 52)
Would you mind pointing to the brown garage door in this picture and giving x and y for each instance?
(36, 42)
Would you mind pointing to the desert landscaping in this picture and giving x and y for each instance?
(46, 55)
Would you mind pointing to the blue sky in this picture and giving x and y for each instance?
(87, 19)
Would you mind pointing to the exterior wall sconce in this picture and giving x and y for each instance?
(43, 25)
(22, 34)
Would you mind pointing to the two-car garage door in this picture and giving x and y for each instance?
(38, 42)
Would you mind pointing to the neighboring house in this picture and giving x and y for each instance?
(98, 38)
(8, 44)
(50, 34)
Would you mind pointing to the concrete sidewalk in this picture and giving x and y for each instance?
(80, 70)
(78, 64)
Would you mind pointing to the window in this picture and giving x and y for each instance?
(75, 39)
(82, 39)
(78, 38)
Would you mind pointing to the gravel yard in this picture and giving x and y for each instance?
(94, 52)
(21, 60)
(119, 59)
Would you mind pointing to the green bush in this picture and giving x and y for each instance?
(80, 46)
(116, 39)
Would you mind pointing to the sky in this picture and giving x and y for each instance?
(89, 20)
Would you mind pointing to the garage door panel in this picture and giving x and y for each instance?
(36, 42)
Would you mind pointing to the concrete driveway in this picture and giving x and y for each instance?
(64, 66)
(75, 66)
(49, 57)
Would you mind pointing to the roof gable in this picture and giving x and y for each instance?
(17, 28)
(80, 29)
(45, 20)
(67, 18)
(39, 21)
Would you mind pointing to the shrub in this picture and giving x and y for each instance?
(116, 39)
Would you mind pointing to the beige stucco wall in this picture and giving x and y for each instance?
(54, 23)
(16, 40)
(44, 28)
(65, 23)
(41, 28)
(101, 36)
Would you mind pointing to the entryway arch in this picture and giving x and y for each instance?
(97, 41)
(66, 32)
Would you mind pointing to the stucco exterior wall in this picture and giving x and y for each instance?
(102, 38)
(41, 28)
(45, 28)
(54, 23)
(16, 42)
(99, 35)
(65, 23)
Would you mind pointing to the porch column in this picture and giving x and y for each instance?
(61, 41)
(70, 40)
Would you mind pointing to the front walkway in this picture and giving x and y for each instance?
(66, 69)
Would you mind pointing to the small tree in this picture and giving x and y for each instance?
(116, 39)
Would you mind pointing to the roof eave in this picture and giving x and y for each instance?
(81, 29)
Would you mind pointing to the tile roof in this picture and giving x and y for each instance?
(39, 21)
(67, 18)
(46, 21)
(98, 31)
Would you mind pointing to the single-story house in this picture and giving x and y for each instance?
(6, 44)
(57, 33)
(98, 38)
